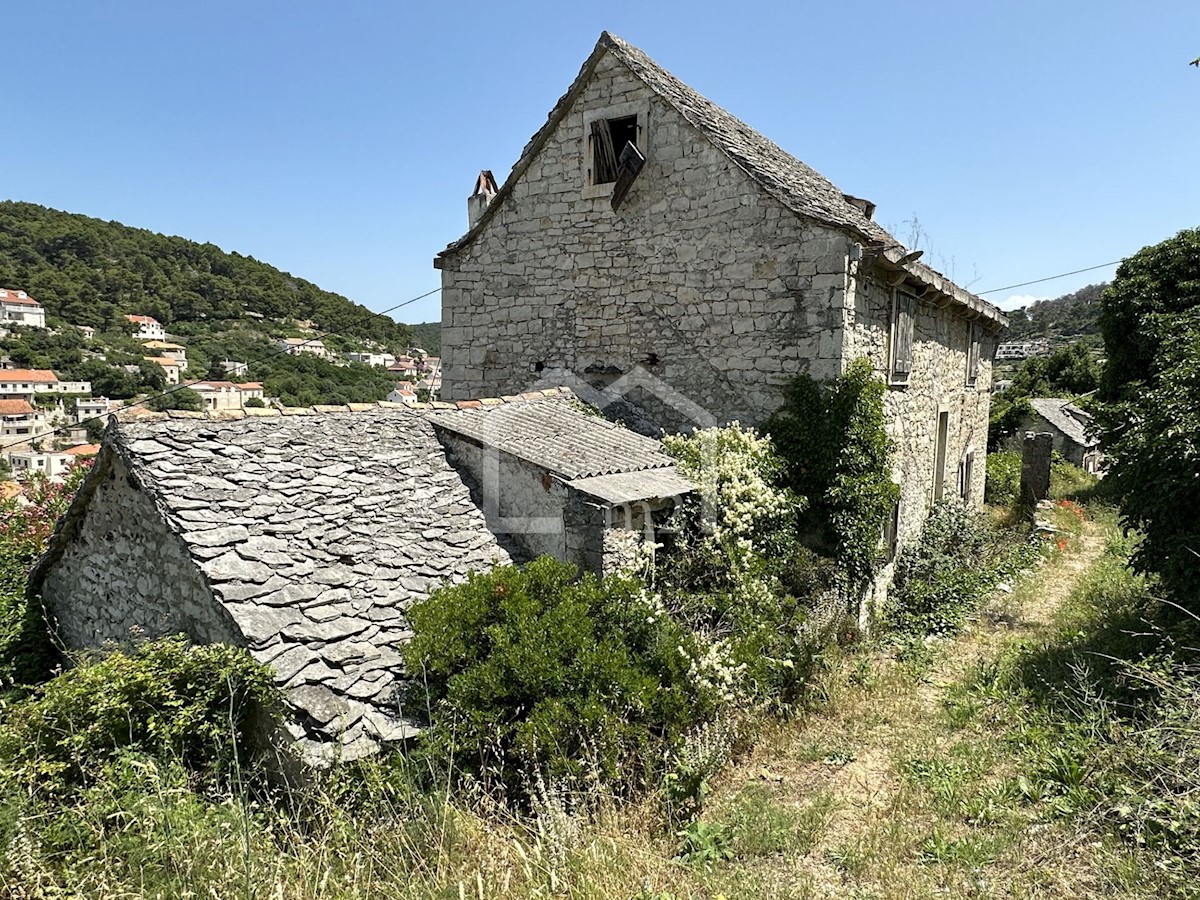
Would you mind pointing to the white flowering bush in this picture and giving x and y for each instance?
(734, 470)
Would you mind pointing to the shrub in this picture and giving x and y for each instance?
(192, 705)
(1003, 486)
(535, 672)
(26, 523)
(1068, 479)
(955, 561)
(837, 454)
(737, 575)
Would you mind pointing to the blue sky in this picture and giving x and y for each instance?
(339, 141)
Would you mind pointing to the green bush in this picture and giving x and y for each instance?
(837, 454)
(193, 705)
(1003, 485)
(1068, 479)
(535, 671)
(952, 565)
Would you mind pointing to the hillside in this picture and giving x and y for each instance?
(91, 272)
(428, 336)
(1070, 316)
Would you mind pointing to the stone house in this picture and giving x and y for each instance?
(171, 367)
(644, 228)
(302, 535)
(553, 479)
(1070, 428)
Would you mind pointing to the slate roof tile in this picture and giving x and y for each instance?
(300, 538)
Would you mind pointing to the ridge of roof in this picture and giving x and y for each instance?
(225, 415)
(794, 184)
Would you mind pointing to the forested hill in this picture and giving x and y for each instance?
(1069, 316)
(91, 272)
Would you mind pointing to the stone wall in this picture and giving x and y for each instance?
(938, 383)
(124, 575)
(700, 277)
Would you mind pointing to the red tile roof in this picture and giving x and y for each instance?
(142, 320)
(83, 450)
(251, 386)
(15, 408)
(41, 376)
(12, 297)
(163, 361)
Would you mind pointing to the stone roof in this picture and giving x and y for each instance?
(556, 435)
(799, 187)
(315, 537)
(1066, 417)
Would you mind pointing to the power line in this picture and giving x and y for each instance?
(1050, 278)
(182, 385)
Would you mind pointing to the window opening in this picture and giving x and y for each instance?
(609, 137)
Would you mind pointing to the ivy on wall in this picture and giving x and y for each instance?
(837, 454)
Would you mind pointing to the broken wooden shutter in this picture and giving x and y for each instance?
(629, 166)
(906, 312)
(604, 157)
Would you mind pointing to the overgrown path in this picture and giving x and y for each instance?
(904, 788)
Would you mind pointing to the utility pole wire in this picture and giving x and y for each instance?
(1050, 278)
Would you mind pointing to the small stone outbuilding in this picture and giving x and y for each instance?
(304, 535)
(1070, 427)
(303, 538)
(554, 477)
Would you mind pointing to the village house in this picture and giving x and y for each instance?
(177, 353)
(171, 367)
(534, 466)
(18, 308)
(19, 419)
(1072, 430)
(148, 328)
(645, 229)
(225, 395)
(311, 346)
(91, 408)
(304, 536)
(403, 393)
(54, 464)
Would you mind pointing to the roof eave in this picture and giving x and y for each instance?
(937, 288)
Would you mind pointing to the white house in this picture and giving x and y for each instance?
(168, 350)
(19, 419)
(91, 408)
(403, 393)
(226, 394)
(18, 308)
(17, 384)
(171, 367)
(149, 328)
(296, 346)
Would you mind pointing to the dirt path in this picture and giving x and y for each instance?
(887, 719)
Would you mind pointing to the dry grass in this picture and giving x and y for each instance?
(900, 784)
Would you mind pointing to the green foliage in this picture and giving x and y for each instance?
(427, 336)
(836, 453)
(953, 564)
(255, 403)
(194, 705)
(736, 572)
(91, 272)
(177, 398)
(1003, 485)
(1068, 479)
(1150, 422)
(538, 671)
(26, 524)
(1070, 371)
(1071, 316)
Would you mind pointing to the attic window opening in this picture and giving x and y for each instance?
(609, 137)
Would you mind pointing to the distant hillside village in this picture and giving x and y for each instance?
(48, 423)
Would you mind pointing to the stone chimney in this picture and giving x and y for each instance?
(485, 192)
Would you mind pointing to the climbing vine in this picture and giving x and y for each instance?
(836, 452)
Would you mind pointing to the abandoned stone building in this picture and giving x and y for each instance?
(1071, 429)
(304, 536)
(646, 229)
